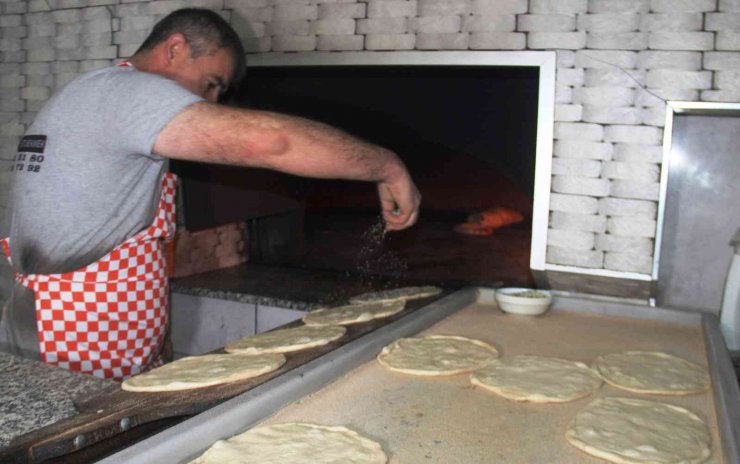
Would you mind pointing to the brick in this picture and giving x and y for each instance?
(391, 9)
(551, 40)
(42, 30)
(631, 226)
(579, 132)
(627, 207)
(727, 80)
(12, 45)
(487, 7)
(571, 239)
(722, 61)
(720, 95)
(583, 149)
(728, 41)
(35, 93)
(729, 5)
(673, 6)
(39, 80)
(442, 41)
(289, 28)
(568, 113)
(681, 40)
(546, 23)
(291, 12)
(390, 41)
(645, 172)
(135, 23)
(572, 77)
(558, 6)
(617, 40)
(252, 45)
(14, 7)
(129, 37)
(688, 61)
(621, 244)
(342, 10)
(11, 104)
(604, 96)
(671, 78)
(613, 77)
(497, 41)
(435, 24)
(11, 21)
(65, 67)
(66, 16)
(580, 167)
(633, 134)
(333, 27)
(443, 7)
(579, 258)
(565, 58)
(633, 152)
(573, 203)
(672, 22)
(578, 221)
(12, 129)
(620, 6)
(382, 26)
(635, 190)
(490, 23)
(612, 115)
(563, 94)
(295, 43)
(580, 186)
(41, 54)
(628, 262)
(606, 59)
(605, 22)
(654, 116)
(658, 97)
(92, 65)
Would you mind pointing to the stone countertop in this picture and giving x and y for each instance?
(33, 394)
(283, 287)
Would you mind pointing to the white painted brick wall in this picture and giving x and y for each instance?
(340, 42)
(579, 167)
(553, 40)
(578, 221)
(613, 77)
(487, 7)
(634, 152)
(489, 23)
(497, 41)
(620, 244)
(689, 61)
(681, 40)
(635, 226)
(390, 41)
(609, 22)
(546, 23)
(628, 262)
(383, 26)
(625, 207)
(573, 203)
(443, 7)
(568, 113)
(672, 22)
(579, 258)
(671, 78)
(612, 115)
(722, 61)
(606, 59)
(632, 134)
(558, 6)
(729, 5)
(391, 9)
(728, 40)
(449, 41)
(333, 27)
(580, 186)
(435, 24)
(617, 40)
(634, 190)
(342, 10)
(571, 239)
(647, 172)
(618, 6)
(578, 131)
(673, 6)
(604, 96)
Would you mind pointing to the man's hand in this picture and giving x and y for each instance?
(399, 201)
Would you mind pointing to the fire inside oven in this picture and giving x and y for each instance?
(467, 135)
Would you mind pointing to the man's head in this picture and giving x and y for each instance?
(195, 47)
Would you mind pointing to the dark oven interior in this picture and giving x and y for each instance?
(467, 135)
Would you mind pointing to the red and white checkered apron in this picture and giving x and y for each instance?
(109, 319)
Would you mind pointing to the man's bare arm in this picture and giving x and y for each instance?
(217, 134)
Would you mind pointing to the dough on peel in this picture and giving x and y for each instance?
(203, 371)
(537, 379)
(396, 294)
(287, 340)
(295, 443)
(352, 314)
(633, 431)
(436, 355)
(652, 372)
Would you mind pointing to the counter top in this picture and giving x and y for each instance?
(33, 394)
(284, 287)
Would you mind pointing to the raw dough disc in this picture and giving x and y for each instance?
(286, 340)
(537, 379)
(436, 355)
(295, 443)
(632, 431)
(203, 371)
(402, 294)
(652, 372)
(353, 314)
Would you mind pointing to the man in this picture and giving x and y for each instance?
(92, 202)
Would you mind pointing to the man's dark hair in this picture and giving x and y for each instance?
(205, 32)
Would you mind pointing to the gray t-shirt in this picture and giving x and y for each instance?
(85, 176)
(85, 179)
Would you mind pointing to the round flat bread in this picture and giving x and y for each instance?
(287, 340)
(632, 431)
(537, 379)
(203, 371)
(295, 443)
(352, 314)
(436, 355)
(396, 294)
(652, 372)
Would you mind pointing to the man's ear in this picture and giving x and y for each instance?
(176, 48)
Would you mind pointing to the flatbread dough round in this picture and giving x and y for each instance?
(352, 314)
(633, 431)
(203, 371)
(287, 340)
(396, 294)
(436, 355)
(295, 443)
(537, 379)
(652, 372)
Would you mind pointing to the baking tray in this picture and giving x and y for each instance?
(345, 388)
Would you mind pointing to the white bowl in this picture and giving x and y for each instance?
(510, 302)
